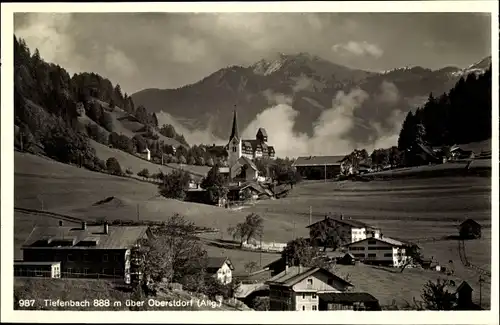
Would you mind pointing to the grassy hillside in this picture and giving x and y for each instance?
(411, 209)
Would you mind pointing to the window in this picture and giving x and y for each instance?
(38, 272)
(105, 258)
(309, 281)
(117, 272)
(314, 296)
(303, 307)
(117, 257)
(315, 307)
(234, 149)
(387, 254)
(86, 271)
(372, 255)
(69, 270)
(105, 271)
(303, 296)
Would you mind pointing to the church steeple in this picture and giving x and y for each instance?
(234, 131)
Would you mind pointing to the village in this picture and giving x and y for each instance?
(107, 251)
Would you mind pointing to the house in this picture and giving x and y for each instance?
(380, 250)
(249, 149)
(146, 154)
(463, 295)
(347, 229)
(470, 229)
(298, 287)
(318, 167)
(358, 301)
(243, 169)
(99, 251)
(37, 269)
(221, 268)
(461, 152)
(254, 189)
(277, 266)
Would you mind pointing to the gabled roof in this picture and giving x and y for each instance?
(247, 161)
(118, 237)
(295, 274)
(215, 263)
(348, 222)
(384, 239)
(263, 131)
(318, 161)
(470, 221)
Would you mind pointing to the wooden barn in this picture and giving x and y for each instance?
(470, 229)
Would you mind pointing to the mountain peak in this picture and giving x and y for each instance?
(277, 61)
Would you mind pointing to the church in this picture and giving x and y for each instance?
(242, 152)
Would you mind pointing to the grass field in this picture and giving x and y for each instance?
(409, 209)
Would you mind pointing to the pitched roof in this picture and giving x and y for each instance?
(249, 162)
(318, 160)
(215, 263)
(470, 221)
(118, 237)
(348, 297)
(384, 239)
(348, 222)
(20, 263)
(295, 274)
(234, 130)
(263, 131)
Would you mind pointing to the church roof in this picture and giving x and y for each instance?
(234, 130)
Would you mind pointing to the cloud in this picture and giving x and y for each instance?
(302, 83)
(389, 93)
(330, 132)
(359, 49)
(116, 60)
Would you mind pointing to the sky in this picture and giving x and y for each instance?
(169, 50)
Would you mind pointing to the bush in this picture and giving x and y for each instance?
(113, 166)
(174, 185)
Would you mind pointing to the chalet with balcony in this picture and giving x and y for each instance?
(96, 251)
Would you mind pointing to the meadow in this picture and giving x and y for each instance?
(411, 209)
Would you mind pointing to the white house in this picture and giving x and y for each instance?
(146, 154)
(221, 268)
(298, 287)
(379, 250)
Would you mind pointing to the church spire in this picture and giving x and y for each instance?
(234, 131)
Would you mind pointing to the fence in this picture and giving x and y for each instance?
(269, 247)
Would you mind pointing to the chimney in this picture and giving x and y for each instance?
(341, 217)
(373, 233)
(60, 223)
(84, 225)
(106, 228)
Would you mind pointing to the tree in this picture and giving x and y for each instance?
(191, 160)
(215, 185)
(300, 252)
(394, 156)
(182, 160)
(175, 184)
(174, 254)
(380, 157)
(210, 162)
(328, 235)
(251, 266)
(106, 121)
(414, 255)
(143, 173)
(260, 303)
(140, 143)
(113, 166)
(252, 227)
(437, 297)
(129, 172)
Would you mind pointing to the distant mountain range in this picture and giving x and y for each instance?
(309, 83)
